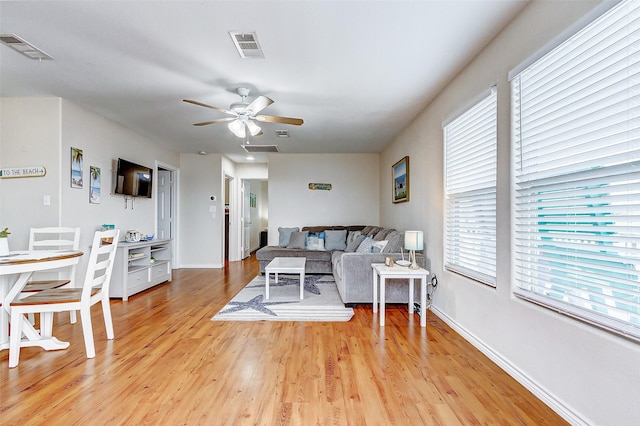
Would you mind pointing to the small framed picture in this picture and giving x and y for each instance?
(400, 177)
(94, 185)
(76, 167)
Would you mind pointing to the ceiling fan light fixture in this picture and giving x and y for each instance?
(254, 129)
(237, 128)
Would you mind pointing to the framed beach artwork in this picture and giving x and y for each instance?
(400, 175)
(94, 185)
(76, 168)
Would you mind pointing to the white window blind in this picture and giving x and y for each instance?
(576, 125)
(470, 192)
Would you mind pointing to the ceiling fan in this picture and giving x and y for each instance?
(246, 114)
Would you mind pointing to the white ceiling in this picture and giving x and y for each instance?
(357, 72)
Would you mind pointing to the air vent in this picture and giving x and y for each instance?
(261, 148)
(247, 44)
(282, 133)
(24, 48)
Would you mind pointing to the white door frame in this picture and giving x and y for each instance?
(175, 175)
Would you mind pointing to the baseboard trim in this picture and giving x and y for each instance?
(521, 377)
(202, 266)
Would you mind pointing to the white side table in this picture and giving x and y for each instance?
(382, 272)
(285, 265)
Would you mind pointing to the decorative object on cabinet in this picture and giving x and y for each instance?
(139, 266)
(106, 227)
(400, 179)
(4, 242)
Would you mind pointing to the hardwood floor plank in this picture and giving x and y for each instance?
(170, 364)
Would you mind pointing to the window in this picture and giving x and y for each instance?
(576, 128)
(470, 192)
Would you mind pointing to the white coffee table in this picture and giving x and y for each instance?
(285, 265)
(382, 273)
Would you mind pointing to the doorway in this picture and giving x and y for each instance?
(227, 217)
(166, 195)
(255, 215)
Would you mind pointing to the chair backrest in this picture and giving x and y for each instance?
(56, 238)
(101, 262)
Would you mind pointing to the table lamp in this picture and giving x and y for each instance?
(413, 240)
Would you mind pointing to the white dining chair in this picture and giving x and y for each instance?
(53, 238)
(95, 289)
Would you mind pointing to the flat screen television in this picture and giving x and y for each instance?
(133, 179)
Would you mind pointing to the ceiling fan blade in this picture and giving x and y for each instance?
(219, 120)
(209, 106)
(259, 103)
(281, 120)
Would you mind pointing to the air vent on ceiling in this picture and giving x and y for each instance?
(261, 148)
(282, 133)
(247, 44)
(22, 47)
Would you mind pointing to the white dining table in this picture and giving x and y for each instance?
(16, 269)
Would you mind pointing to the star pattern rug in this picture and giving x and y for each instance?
(321, 301)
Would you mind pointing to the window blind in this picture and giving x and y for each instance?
(470, 191)
(576, 129)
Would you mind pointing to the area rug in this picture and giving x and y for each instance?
(321, 301)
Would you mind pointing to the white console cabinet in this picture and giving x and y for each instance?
(139, 266)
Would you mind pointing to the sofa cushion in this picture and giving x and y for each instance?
(373, 231)
(365, 245)
(354, 244)
(395, 242)
(285, 235)
(335, 240)
(298, 240)
(382, 234)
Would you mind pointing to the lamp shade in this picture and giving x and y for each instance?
(413, 240)
(237, 128)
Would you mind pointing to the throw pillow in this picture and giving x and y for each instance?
(353, 245)
(396, 241)
(352, 236)
(335, 240)
(298, 240)
(315, 241)
(285, 235)
(365, 245)
(378, 246)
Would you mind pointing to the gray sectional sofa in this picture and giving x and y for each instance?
(351, 269)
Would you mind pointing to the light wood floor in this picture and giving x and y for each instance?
(171, 365)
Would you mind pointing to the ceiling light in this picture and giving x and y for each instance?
(250, 158)
(254, 129)
(22, 47)
(238, 127)
(202, 152)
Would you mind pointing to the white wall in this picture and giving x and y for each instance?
(587, 375)
(41, 131)
(201, 228)
(353, 200)
(30, 136)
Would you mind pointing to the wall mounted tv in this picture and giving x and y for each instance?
(133, 179)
